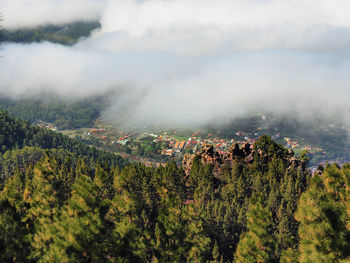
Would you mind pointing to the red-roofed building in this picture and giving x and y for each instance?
(182, 145)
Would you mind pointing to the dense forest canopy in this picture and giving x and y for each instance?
(62, 113)
(265, 88)
(17, 134)
(56, 207)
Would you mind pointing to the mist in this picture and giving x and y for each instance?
(188, 62)
(32, 13)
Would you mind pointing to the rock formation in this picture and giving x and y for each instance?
(244, 154)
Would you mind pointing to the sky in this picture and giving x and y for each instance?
(187, 62)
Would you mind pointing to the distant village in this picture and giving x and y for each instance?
(195, 144)
(45, 125)
(170, 144)
(176, 146)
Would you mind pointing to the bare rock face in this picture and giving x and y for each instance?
(249, 158)
(296, 162)
(234, 150)
(187, 162)
(246, 149)
(209, 156)
(208, 150)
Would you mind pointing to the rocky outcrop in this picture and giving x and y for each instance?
(244, 154)
(187, 162)
(217, 160)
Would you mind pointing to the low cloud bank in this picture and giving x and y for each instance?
(32, 13)
(189, 62)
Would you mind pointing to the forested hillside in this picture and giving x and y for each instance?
(267, 208)
(17, 134)
(63, 34)
(64, 115)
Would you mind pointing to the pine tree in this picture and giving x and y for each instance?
(258, 243)
(216, 253)
(171, 230)
(346, 196)
(286, 224)
(77, 234)
(13, 244)
(289, 255)
(133, 210)
(44, 204)
(103, 180)
(196, 236)
(322, 231)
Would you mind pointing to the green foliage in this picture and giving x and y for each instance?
(76, 204)
(77, 233)
(13, 244)
(63, 114)
(16, 134)
(258, 243)
(42, 197)
(324, 232)
(289, 256)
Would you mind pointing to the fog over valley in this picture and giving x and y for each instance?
(175, 131)
(186, 62)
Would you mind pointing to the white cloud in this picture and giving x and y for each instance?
(202, 26)
(229, 87)
(190, 61)
(32, 13)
